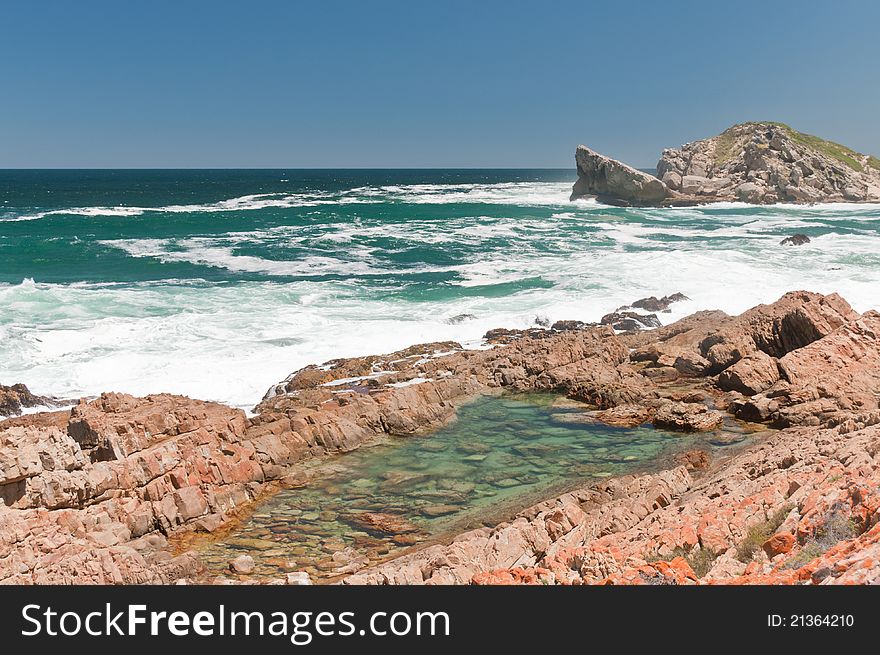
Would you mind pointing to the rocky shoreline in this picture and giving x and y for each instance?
(103, 492)
(756, 163)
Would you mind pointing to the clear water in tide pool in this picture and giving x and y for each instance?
(216, 284)
(499, 456)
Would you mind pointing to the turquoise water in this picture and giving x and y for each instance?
(219, 283)
(499, 456)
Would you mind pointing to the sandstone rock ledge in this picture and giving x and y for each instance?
(93, 495)
(801, 507)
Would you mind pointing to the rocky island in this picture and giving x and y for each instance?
(758, 163)
(122, 490)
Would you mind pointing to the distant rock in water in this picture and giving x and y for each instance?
(654, 304)
(795, 240)
(16, 397)
(629, 321)
(613, 181)
(757, 163)
(459, 318)
(565, 326)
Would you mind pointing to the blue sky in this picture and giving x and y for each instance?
(445, 84)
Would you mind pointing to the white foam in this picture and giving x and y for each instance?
(203, 251)
(505, 193)
(518, 193)
(408, 383)
(360, 378)
(231, 341)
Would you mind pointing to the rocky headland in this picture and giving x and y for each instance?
(758, 163)
(112, 490)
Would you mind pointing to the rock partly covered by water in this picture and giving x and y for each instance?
(758, 163)
(687, 417)
(795, 240)
(92, 495)
(15, 398)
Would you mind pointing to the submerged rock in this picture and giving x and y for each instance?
(380, 523)
(694, 460)
(439, 510)
(460, 318)
(243, 564)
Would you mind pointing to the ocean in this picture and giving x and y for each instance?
(218, 283)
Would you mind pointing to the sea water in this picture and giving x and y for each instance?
(216, 284)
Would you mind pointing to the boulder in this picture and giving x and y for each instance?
(749, 192)
(626, 416)
(243, 564)
(562, 326)
(687, 417)
(779, 544)
(672, 180)
(750, 375)
(831, 378)
(696, 185)
(691, 364)
(655, 304)
(795, 240)
(625, 321)
(613, 181)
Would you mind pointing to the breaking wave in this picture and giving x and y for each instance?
(304, 277)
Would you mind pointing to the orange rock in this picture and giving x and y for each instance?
(778, 544)
(512, 576)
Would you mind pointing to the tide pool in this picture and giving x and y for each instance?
(499, 456)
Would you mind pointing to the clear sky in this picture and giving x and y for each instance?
(422, 84)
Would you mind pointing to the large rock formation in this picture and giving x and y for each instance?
(802, 507)
(770, 162)
(757, 163)
(92, 495)
(612, 181)
(92, 502)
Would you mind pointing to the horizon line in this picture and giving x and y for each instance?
(288, 168)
